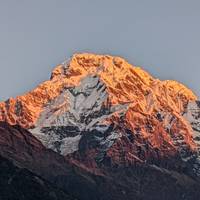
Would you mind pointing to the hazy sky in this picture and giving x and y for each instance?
(35, 35)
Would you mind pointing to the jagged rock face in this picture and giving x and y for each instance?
(101, 108)
(192, 115)
(83, 110)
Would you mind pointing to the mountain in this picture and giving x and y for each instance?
(104, 123)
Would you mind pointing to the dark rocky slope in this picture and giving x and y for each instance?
(140, 181)
(20, 184)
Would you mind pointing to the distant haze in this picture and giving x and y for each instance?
(161, 36)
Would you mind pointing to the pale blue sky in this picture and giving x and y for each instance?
(35, 35)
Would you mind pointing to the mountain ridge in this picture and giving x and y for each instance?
(99, 116)
(124, 83)
(44, 92)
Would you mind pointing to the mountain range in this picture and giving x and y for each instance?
(101, 129)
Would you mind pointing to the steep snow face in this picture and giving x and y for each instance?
(192, 115)
(77, 111)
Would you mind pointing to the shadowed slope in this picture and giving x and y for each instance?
(20, 184)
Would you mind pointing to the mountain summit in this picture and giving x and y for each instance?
(99, 112)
